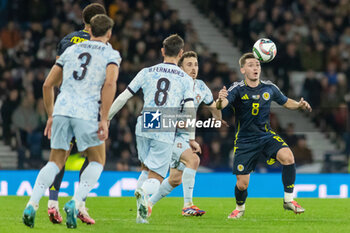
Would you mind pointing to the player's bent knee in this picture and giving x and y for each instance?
(285, 156)
(242, 186)
(175, 181)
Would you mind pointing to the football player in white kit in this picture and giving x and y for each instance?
(185, 161)
(164, 87)
(90, 71)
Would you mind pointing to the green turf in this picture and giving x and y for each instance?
(118, 215)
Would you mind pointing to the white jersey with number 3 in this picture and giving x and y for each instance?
(84, 72)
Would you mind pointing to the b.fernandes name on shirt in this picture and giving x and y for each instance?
(166, 70)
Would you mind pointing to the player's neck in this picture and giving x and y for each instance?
(252, 83)
(172, 60)
(102, 39)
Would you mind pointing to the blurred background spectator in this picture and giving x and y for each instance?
(310, 38)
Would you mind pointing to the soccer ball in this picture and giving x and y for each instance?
(264, 50)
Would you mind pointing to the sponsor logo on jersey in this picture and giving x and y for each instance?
(245, 97)
(256, 97)
(266, 96)
(77, 39)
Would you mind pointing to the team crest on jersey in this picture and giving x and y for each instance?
(198, 98)
(256, 97)
(266, 96)
(240, 167)
(179, 145)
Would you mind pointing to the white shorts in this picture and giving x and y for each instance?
(154, 154)
(64, 128)
(180, 145)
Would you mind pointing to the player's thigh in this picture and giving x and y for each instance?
(159, 157)
(143, 146)
(272, 145)
(179, 147)
(245, 158)
(85, 133)
(97, 153)
(61, 133)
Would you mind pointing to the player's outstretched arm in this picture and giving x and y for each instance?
(222, 101)
(107, 96)
(53, 80)
(119, 103)
(302, 104)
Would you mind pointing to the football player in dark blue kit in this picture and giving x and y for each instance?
(251, 99)
(73, 38)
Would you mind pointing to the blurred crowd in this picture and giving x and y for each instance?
(30, 31)
(312, 37)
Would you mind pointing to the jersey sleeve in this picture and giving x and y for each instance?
(62, 59)
(114, 58)
(278, 96)
(232, 93)
(208, 98)
(137, 82)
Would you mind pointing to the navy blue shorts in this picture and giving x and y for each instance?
(246, 155)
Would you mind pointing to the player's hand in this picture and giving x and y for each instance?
(196, 148)
(224, 123)
(102, 132)
(304, 105)
(223, 94)
(47, 131)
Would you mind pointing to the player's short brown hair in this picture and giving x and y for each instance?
(172, 45)
(100, 24)
(91, 10)
(244, 57)
(187, 55)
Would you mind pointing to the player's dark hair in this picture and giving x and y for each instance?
(92, 10)
(172, 45)
(187, 55)
(100, 24)
(244, 58)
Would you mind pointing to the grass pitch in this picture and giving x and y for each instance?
(118, 215)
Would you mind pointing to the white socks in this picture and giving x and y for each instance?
(88, 179)
(45, 178)
(142, 178)
(288, 197)
(164, 189)
(188, 178)
(240, 207)
(150, 186)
